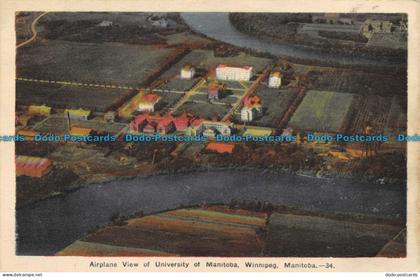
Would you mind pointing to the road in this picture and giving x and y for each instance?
(78, 84)
(33, 30)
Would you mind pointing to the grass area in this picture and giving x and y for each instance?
(62, 96)
(220, 231)
(322, 111)
(83, 248)
(275, 103)
(204, 110)
(185, 232)
(303, 236)
(110, 63)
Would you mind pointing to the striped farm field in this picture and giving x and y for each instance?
(323, 111)
(209, 215)
(219, 231)
(83, 248)
(210, 231)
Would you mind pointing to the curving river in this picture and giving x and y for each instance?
(218, 26)
(49, 225)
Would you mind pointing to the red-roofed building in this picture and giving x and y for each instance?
(149, 102)
(32, 166)
(158, 124)
(150, 128)
(213, 90)
(252, 101)
(221, 147)
(165, 126)
(181, 123)
(138, 123)
(252, 108)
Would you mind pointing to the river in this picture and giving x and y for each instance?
(218, 26)
(48, 226)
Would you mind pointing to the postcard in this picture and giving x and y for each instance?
(209, 136)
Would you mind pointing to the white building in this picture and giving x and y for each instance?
(148, 103)
(105, 23)
(252, 109)
(248, 114)
(235, 73)
(274, 81)
(187, 72)
(212, 128)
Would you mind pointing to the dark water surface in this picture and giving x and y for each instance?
(49, 225)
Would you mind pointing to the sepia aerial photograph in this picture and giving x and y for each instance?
(211, 134)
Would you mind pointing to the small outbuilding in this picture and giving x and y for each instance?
(274, 81)
(79, 114)
(149, 102)
(187, 72)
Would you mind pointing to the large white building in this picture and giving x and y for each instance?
(234, 73)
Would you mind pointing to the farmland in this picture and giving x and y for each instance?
(216, 231)
(67, 96)
(203, 109)
(275, 103)
(110, 63)
(372, 111)
(322, 111)
(299, 235)
(130, 28)
(221, 231)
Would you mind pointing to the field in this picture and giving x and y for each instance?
(109, 63)
(397, 116)
(275, 103)
(124, 27)
(372, 111)
(187, 232)
(233, 232)
(57, 123)
(357, 82)
(204, 110)
(65, 96)
(177, 84)
(322, 111)
(303, 236)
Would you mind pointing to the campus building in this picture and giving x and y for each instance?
(234, 73)
(79, 114)
(148, 103)
(187, 72)
(39, 110)
(213, 90)
(32, 166)
(251, 109)
(274, 81)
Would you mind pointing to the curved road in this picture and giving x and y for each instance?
(218, 26)
(33, 29)
(50, 225)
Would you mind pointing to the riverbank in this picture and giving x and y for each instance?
(260, 26)
(210, 24)
(47, 226)
(98, 179)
